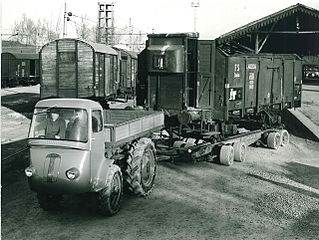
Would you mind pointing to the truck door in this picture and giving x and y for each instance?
(97, 136)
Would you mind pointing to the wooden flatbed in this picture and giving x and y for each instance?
(126, 125)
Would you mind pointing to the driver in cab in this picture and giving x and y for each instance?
(77, 127)
(55, 126)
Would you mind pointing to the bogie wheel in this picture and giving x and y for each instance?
(109, 198)
(240, 151)
(273, 140)
(226, 156)
(49, 202)
(141, 167)
(284, 137)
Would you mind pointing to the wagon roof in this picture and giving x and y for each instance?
(97, 47)
(270, 19)
(131, 53)
(165, 35)
(32, 56)
(102, 48)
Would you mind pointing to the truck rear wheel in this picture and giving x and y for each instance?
(141, 167)
(49, 202)
(240, 151)
(284, 137)
(226, 156)
(273, 140)
(109, 198)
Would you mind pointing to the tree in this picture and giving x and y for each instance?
(29, 32)
(83, 30)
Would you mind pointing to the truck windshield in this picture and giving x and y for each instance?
(60, 123)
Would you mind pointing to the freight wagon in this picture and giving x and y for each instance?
(128, 72)
(180, 73)
(210, 97)
(19, 69)
(80, 69)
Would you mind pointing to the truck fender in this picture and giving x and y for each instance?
(100, 175)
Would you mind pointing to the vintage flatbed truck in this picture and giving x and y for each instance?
(77, 147)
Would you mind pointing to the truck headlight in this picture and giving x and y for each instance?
(72, 173)
(29, 171)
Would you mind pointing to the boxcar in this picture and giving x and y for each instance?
(19, 69)
(79, 69)
(127, 62)
(181, 74)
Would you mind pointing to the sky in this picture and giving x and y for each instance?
(214, 17)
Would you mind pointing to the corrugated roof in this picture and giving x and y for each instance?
(32, 56)
(270, 19)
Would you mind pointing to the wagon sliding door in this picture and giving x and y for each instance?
(66, 61)
(99, 74)
(108, 90)
(206, 69)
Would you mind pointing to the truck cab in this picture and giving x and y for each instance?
(74, 150)
(66, 141)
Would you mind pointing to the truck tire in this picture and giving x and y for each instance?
(49, 202)
(273, 140)
(240, 151)
(109, 198)
(284, 137)
(226, 156)
(141, 167)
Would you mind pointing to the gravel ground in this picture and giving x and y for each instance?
(273, 195)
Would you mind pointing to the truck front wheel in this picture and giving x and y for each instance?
(109, 198)
(141, 167)
(49, 202)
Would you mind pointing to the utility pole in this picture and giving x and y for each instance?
(104, 28)
(64, 21)
(130, 34)
(112, 25)
(195, 5)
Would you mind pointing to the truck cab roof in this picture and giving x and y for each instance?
(69, 103)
